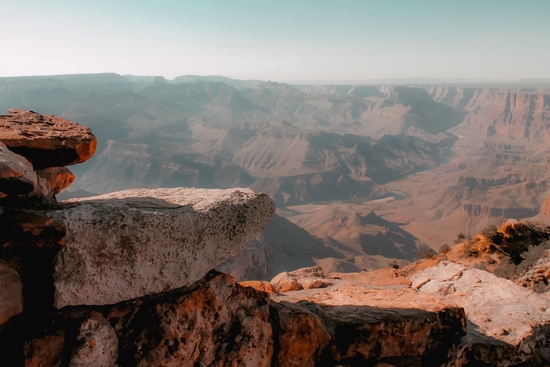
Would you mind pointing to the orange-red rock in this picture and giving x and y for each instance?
(259, 285)
(369, 317)
(46, 141)
(44, 352)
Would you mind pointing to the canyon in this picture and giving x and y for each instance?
(431, 160)
(126, 278)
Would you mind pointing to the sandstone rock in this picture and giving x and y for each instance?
(137, 242)
(46, 141)
(259, 285)
(369, 317)
(214, 323)
(507, 324)
(16, 174)
(302, 336)
(98, 344)
(52, 180)
(44, 352)
(285, 283)
(11, 292)
(537, 277)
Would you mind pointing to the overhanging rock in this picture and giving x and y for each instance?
(138, 242)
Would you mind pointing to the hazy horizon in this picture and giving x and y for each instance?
(280, 41)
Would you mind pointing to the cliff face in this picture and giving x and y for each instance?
(494, 212)
(509, 113)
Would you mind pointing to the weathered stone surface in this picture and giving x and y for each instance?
(46, 141)
(369, 317)
(16, 174)
(537, 277)
(285, 283)
(304, 278)
(97, 344)
(11, 292)
(52, 180)
(214, 323)
(259, 285)
(507, 324)
(44, 352)
(133, 243)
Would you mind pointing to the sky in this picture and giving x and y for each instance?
(282, 40)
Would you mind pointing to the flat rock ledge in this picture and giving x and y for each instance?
(133, 243)
(507, 324)
(46, 141)
(359, 318)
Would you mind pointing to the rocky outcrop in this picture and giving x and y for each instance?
(359, 318)
(46, 141)
(507, 324)
(537, 276)
(487, 182)
(133, 243)
(125, 279)
(16, 174)
(11, 292)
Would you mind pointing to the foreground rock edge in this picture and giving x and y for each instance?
(133, 243)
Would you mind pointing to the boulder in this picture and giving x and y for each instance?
(507, 324)
(46, 141)
(97, 343)
(138, 242)
(365, 318)
(11, 292)
(259, 285)
(215, 322)
(304, 278)
(16, 174)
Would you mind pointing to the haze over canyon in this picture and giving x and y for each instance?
(363, 176)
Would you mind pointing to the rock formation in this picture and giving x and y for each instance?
(125, 279)
(115, 259)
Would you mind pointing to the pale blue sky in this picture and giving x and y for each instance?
(278, 40)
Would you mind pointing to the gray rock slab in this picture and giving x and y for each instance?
(507, 323)
(132, 243)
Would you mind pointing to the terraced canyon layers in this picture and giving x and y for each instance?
(124, 279)
(435, 160)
